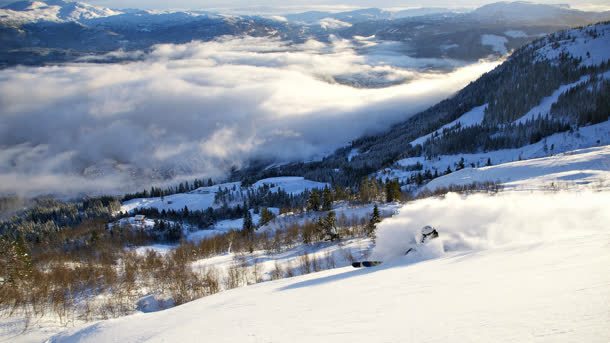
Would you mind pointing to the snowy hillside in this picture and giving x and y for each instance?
(533, 271)
(290, 184)
(589, 136)
(591, 45)
(579, 168)
(470, 118)
(202, 198)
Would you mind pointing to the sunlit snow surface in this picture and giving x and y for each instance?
(531, 268)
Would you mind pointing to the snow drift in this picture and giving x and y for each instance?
(482, 221)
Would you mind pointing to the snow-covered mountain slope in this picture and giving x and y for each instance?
(530, 12)
(525, 273)
(290, 184)
(579, 168)
(31, 11)
(470, 118)
(591, 45)
(544, 108)
(590, 136)
(202, 198)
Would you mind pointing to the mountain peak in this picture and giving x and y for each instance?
(53, 11)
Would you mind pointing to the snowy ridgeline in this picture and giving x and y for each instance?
(52, 11)
(203, 198)
(590, 44)
(505, 268)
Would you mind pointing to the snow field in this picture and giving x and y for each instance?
(527, 268)
(202, 198)
(586, 168)
(552, 146)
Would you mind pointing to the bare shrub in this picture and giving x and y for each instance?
(329, 259)
(277, 272)
(305, 265)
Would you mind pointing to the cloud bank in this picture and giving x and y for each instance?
(479, 222)
(200, 108)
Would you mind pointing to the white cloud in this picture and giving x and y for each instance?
(200, 108)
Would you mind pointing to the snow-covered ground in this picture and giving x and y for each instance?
(590, 136)
(202, 198)
(290, 184)
(513, 267)
(53, 11)
(591, 44)
(580, 168)
(327, 255)
(470, 118)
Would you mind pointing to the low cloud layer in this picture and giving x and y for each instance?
(479, 222)
(199, 108)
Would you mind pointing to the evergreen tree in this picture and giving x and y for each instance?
(248, 229)
(392, 190)
(266, 216)
(373, 221)
(328, 227)
(327, 199)
(313, 203)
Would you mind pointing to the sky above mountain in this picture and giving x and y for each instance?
(302, 5)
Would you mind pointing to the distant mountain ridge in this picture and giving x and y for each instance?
(56, 31)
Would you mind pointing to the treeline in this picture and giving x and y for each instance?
(586, 104)
(480, 138)
(47, 217)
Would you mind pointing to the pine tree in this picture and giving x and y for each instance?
(392, 190)
(327, 200)
(373, 221)
(248, 229)
(313, 203)
(248, 225)
(328, 227)
(266, 216)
